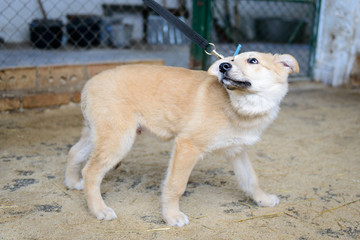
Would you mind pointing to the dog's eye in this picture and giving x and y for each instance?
(252, 61)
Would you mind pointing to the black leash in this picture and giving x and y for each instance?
(191, 34)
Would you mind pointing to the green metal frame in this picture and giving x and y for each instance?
(201, 23)
(313, 41)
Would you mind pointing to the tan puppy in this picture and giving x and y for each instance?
(226, 108)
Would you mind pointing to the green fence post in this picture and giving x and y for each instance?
(201, 23)
(313, 39)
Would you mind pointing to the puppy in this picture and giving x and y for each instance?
(224, 109)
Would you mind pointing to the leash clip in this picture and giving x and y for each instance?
(214, 52)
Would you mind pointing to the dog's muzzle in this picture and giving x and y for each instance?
(231, 84)
(228, 82)
(224, 67)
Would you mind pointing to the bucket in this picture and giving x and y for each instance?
(121, 33)
(84, 30)
(46, 33)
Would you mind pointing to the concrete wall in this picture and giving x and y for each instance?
(338, 41)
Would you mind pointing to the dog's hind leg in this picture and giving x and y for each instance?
(248, 180)
(111, 144)
(77, 155)
(183, 160)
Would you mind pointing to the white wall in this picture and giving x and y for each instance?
(338, 41)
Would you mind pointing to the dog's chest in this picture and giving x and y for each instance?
(231, 137)
(240, 131)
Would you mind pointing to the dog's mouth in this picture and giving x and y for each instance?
(232, 84)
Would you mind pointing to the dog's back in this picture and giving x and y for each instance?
(157, 95)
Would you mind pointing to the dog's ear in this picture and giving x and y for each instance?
(289, 62)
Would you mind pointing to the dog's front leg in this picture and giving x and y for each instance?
(248, 180)
(183, 160)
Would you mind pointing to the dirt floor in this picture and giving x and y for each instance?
(310, 158)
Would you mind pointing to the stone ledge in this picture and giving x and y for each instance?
(47, 86)
(46, 100)
(10, 104)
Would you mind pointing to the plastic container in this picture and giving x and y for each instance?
(46, 33)
(121, 33)
(84, 30)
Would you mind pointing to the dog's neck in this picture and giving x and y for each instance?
(257, 104)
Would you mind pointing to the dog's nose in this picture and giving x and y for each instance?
(224, 67)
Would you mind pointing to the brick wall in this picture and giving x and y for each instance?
(48, 86)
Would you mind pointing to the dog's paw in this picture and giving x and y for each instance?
(105, 214)
(177, 219)
(267, 200)
(77, 185)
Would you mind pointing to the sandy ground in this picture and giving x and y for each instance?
(310, 158)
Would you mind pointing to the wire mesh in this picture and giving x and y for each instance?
(74, 32)
(275, 26)
(71, 32)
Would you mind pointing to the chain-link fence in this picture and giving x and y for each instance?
(71, 32)
(287, 26)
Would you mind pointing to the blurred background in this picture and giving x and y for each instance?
(74, 32)
(323, 35)
(50, 48)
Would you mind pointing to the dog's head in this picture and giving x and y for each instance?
(254, 71)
